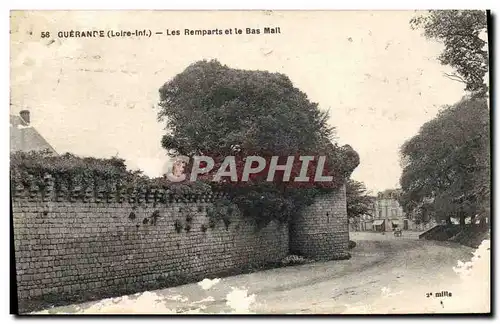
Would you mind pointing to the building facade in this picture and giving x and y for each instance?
(388, 213)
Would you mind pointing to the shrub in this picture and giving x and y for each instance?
(293, 260)
(341, 256)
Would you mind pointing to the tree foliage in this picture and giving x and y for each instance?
(212, 110)
(358, 202)
(446, 166)
(462, 33)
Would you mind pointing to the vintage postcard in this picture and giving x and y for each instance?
(250, 162)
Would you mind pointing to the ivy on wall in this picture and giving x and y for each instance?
(105, 180)
(71, 176)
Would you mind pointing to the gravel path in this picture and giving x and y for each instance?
(384, 275)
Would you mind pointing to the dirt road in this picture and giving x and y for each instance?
(384, 275)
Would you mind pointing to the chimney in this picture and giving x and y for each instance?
(25, 115)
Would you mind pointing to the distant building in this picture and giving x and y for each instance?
(24, 137)
(388, 214)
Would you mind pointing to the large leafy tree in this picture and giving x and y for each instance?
(211, 109)
(463, 33)
(446, 166)
(358, 202)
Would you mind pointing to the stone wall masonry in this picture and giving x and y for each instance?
(71, 243)
(71, 247)
(322, 229)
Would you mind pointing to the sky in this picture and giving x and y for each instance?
(379, 79)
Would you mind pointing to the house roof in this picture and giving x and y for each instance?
(24, 137)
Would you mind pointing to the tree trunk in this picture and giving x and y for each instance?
(462, 219)
(482, 222)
